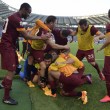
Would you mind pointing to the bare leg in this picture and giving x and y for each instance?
(52, 75)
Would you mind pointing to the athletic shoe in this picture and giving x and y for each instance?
(102, 77)
(53, 95)
(10, 101)
(89, 78)
(84, 97)
(105, 99)
(30, 84)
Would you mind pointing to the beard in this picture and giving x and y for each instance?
(24, 16)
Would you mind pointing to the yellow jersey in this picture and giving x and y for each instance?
(107, 49)
(38, 44)
(77, 63)
(85, 39)
(66, 69)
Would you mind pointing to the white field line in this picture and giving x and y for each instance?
(95, 59)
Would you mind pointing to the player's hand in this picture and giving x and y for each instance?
(46, 36)
(98, 50)
(96, 39)
(66, 47)
(57, 63)
(71, 41)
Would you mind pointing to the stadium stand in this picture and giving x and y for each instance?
(63, 21)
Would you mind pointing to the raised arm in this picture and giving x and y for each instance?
(30, 37)
(107, 42)
(35, 29)
(99, 36)
(72, 33)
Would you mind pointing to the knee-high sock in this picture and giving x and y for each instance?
(96, 67)
(3, 82)
(108, 89)
(53, 86)
(7, 87)
(29, 69)
(107, 76)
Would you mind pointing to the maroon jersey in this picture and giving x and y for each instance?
(58, 39)
(107, 28)
(10, 34)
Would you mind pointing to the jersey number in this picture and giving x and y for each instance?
(90, 56)
(5, 26)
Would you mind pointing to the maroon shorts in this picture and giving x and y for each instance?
(70, 82)
(81, 71)
(89, 54)
(9, 60)
(38, 55)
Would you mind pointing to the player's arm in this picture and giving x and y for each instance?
(29, 37)
(22, 30)
(100, 35)
(68, 61)
(72, 33)
(107, 42)
(56, 46)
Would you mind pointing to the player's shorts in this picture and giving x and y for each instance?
(9, 60)
(89, 54)
(70, 82)
(38, 55)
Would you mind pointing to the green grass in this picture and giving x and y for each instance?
(38, 101)
(21, 93)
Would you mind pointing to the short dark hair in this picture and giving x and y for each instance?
(25, 5)
(47, 56)
(109, 13)
(66, 33)
(50, 19)
(83, 22)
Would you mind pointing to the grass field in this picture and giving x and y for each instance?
(34, 99)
